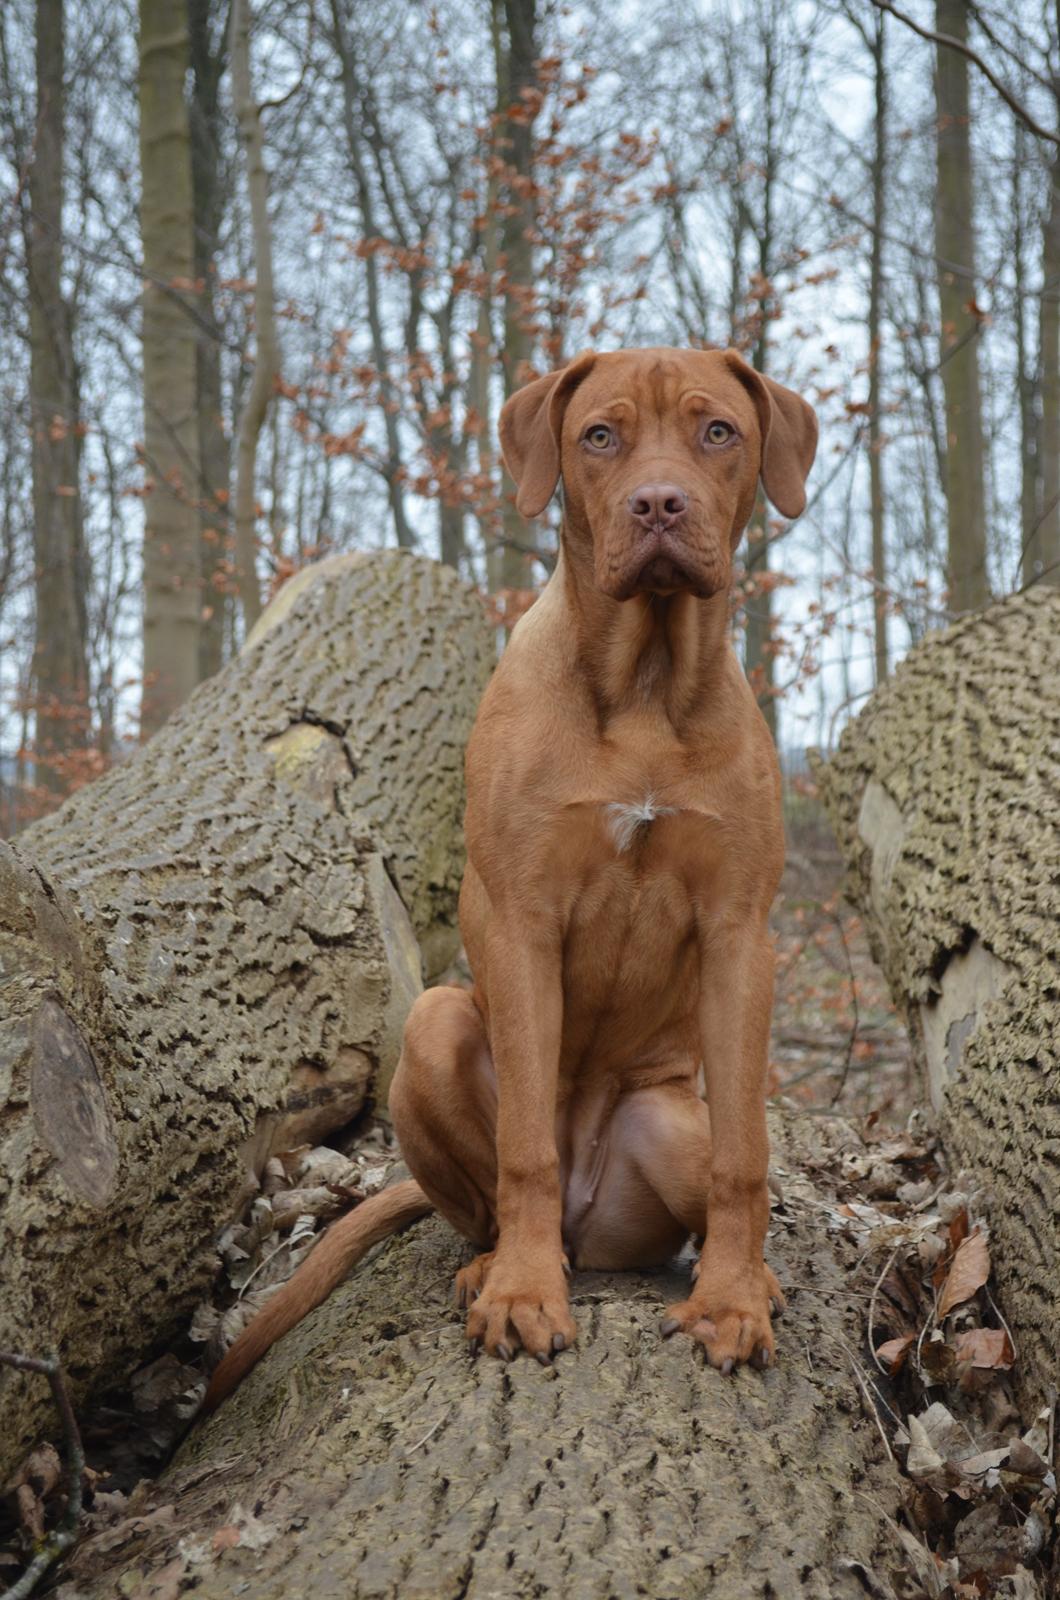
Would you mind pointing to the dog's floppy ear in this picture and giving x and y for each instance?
(531, 427)
(789, 436)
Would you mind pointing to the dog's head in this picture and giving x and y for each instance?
(660, 452)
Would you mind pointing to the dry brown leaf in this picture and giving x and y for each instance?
(1027, 1462)
(894, 1352)
(937, 1359)
(970, 1270)
(985, 1347)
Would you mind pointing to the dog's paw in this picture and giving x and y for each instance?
(519, 1308)
(470, 1279)
(730, 1316)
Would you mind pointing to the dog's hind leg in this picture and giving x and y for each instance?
(443, 1101)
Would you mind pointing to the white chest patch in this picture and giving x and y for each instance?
(627, 821)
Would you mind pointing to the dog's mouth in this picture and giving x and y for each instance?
(663, 575)
(664, 564)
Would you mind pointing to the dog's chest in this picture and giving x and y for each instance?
(630, 822)
(630, 937)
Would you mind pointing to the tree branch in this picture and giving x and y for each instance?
(951, 43)
(62, 1537)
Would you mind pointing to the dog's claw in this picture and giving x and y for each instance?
(761, 1358)
(544, 1359)
(727, 1366)
(559, 1342)
(668, 1326)
(474, 1346)
(776, 1309)
(503, 1351)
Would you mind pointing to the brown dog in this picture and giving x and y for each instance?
(624, 846)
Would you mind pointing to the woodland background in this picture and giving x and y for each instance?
(268, 271)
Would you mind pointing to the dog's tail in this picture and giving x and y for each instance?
(340, 1248)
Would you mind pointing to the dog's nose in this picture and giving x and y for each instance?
(658, 505)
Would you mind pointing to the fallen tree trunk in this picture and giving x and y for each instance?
(209, 953)
(368, 1455)
(945, 798)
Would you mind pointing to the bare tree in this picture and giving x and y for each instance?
(518, 97)
(1041, 549)
(266, 357)
(877, 497)
(208, 38)
(961, 318)
(172, 565)
(60, 667)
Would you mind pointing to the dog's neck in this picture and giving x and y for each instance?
(657, 652)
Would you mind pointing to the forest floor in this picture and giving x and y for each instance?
(838, 1045)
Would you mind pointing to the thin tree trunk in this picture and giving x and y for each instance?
(479, 382)
(60, 668)
(1026, 376)
(449, 448)
(393, 467)
(266, 355)
(1041, 558)
(172, 564)
(760, 658)
(516, 72)
(208, 66)
(966, 573)
(876, 486)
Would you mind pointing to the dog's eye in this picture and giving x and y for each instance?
(599, 437)
(719, 432)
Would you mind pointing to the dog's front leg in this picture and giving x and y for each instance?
(730, 1306)
(524, 1298)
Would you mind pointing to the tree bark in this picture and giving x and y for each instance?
(759, 645)
(966, 574)
(480, 374)
(266, 354)
(60, 665)
(384, 1463)
(516, 67)
(877, 498)
(210, 952)
(1027, 375)
(209, 183)
(1041, 551)
(943, 794)
(172, 579)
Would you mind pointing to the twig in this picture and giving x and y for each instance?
(65, 1535)
(428, 1435)
(854, 1006)
(1004, 1324)
(863, 1385)
(888, 1264)
(966, 50)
